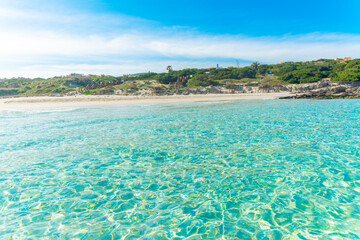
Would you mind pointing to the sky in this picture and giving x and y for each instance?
(41, 38)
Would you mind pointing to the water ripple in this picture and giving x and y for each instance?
(285, 169)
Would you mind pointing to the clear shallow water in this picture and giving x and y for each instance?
(284, 169)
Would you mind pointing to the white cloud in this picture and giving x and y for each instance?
(47, 44)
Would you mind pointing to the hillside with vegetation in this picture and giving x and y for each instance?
(339, 70)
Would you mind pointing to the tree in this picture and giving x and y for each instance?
(245, 72)
(202, 81)
(169, 68)
(263, 69)
(166, 78)
(255, 66)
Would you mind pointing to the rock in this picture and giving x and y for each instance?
(338, 89)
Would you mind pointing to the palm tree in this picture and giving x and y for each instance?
(169, 68)
(255, 66)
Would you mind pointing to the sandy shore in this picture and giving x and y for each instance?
(21, 103)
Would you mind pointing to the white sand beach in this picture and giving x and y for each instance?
(40, 102)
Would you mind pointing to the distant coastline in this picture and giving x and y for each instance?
(323, 78)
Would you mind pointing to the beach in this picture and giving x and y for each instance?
(19, 103)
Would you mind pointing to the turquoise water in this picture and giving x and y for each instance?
(275, 169)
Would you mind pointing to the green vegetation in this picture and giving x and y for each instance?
(287, 73)
(56, 85)
(262, 74)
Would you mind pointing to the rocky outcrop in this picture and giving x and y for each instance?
(329, 90)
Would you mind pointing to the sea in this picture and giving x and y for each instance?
(260, 169)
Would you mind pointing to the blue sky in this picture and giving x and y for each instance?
(255, 18)
(46, 38)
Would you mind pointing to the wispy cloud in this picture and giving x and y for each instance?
(48, 44)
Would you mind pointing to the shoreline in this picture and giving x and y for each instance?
(43, 102)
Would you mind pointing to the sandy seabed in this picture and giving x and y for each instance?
(20, 103)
